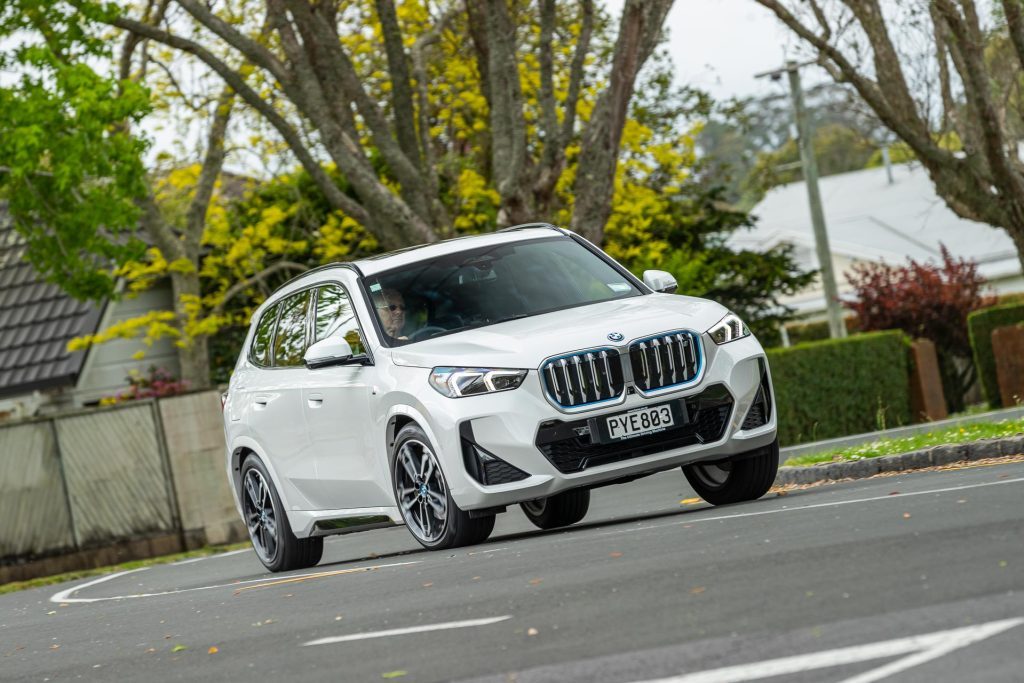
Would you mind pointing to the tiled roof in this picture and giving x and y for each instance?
(36, 321)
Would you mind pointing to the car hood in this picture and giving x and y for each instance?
(525, 343)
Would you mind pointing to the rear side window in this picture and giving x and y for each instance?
(290, 340)
(335, 317)
(260, 354)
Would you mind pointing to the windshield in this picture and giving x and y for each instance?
(484, 286)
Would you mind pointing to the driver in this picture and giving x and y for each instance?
(391, 309)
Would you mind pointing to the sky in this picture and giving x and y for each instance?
(718, 45)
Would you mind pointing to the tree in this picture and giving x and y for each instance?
(873, 49)
(925, 300)
(73, 174)
(306, 72)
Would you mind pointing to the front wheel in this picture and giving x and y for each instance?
(733, 481)
(561, 509)
(430, 514)
(276, 546)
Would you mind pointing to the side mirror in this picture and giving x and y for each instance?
(330, 351)
(660, 281)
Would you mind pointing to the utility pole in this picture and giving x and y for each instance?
(837, 328)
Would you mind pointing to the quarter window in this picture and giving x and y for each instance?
(264, 335)
(335, 316)
(290, 341)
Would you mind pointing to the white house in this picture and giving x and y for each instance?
(870, 219)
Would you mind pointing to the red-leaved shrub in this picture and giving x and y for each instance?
(925, 300)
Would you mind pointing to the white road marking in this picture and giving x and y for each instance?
(65, 595)
(411, 629)
(483, 552)
(691, 520)
(927, 647)
(214, 556)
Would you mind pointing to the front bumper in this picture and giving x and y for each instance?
(525, 431)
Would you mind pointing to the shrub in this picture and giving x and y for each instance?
(839, 387)
(925, 300)
(157, 383)
(817, 330)
(981, 323)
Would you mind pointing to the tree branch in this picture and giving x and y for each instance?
(260, 277)
(333, 193)
(195, 216)
(401, 88)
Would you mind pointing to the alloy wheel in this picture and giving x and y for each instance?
(260, 516)
(422, 492)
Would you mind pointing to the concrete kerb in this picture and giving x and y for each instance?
(927, 457)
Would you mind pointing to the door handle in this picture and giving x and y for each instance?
(315, 400)
(261, 401)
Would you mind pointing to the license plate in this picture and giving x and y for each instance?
(639, 422)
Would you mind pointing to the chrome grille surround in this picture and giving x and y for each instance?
(583, 380)
(666, 362)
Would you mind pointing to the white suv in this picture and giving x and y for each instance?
(437, 385)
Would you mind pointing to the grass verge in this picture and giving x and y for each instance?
(124, 566)
(952, 435)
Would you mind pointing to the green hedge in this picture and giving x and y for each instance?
(980, 324)
(841, 386)
(815, 331)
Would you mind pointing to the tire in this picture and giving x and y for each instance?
(276, 546)
(424, 499)
(561, 509)
(734, 481)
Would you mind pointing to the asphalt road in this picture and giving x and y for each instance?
(918, 577)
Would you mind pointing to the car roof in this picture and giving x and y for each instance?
(380, 263)
(402, 257)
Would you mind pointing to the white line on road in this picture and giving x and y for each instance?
(892, 496)
(65, 595)
(411, 629)
(927, 647)
(211, 557)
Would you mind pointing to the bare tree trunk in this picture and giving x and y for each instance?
(639, 33)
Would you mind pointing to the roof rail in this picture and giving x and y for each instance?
(527, 226)
(338, 264)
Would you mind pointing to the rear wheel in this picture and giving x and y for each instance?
(736, 480)
(276, 546)
(430, 514)
(561, 509)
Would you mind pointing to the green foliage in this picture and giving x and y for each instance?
(842, 386)
(69, 168)
(980, 324)
(800, 332)
(838, 149)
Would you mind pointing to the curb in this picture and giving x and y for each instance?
(934, 456)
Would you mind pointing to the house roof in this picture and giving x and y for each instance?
(37, 320)
(868, 218)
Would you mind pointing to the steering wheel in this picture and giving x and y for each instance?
(425, 332)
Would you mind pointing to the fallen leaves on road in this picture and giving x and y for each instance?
(906, 515)
(55, 646)
(1002, 563)
(689, 501)
(532, 631)
(697, 590)
(179, 648)
(894, 493)
(428, 584)
(536, 582)
(394, 674)
(615, 554)
(213, 650)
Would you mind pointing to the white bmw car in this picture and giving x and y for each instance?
(438, 385)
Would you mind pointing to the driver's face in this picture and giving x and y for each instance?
(392, 313)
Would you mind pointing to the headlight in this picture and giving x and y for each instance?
(459, 382)
(730, 328)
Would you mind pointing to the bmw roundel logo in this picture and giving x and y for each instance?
(615, 336)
